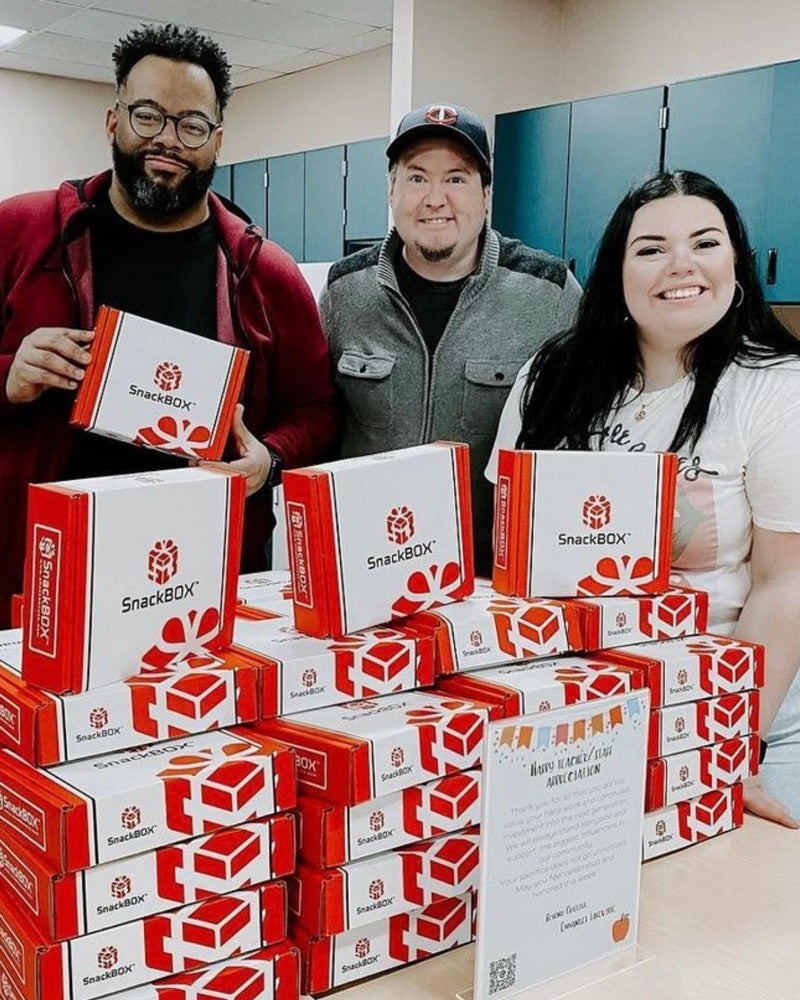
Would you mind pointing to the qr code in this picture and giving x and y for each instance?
(502, 973)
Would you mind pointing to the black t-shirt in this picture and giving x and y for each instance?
(431, 302)
(166, 277)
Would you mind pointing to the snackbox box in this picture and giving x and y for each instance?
(692, 821)
(312, 673)
(583, 524)
(489, 629)
(269, 974)
(700, 666)
(694, 772)
(345, 958)
(624, 621)
(271, 589)
(333, 835)
(159, 387)
(695, 723)
(64, 906)
(88, 812)
(205, 692)
(365, 749)
(126, 571)
(380, 537)
(141, 951)
(522, 688)
(331, 900)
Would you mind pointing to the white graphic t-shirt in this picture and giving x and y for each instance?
(744, 470)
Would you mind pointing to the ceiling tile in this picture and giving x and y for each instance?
(53, 67)
(375, 13)
(249, 76)
(31, 14)
(374, 39)
(253, 51)
(304, 61)
(77, 50)
(99, 25)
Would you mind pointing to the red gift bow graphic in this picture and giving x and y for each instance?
(526, 629)
(582, 684)
(184, 639)
(428, 588)
(372, 665)
(171, 434)
(666, 617)
(618, 576)
(723, 663)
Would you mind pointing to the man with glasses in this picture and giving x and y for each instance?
(147, 237)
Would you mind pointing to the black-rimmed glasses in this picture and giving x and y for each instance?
(147, 121)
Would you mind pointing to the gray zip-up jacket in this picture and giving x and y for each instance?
(395, 396)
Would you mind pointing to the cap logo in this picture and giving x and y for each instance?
(441, 114)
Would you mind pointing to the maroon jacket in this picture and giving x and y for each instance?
(263, 304)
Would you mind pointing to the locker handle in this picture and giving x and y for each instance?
(772, 266)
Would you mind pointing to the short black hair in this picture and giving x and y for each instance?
(172, 41)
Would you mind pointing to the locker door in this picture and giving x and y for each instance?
(366, 190)
(285, 202)
(324, 204)
(249, 191)
(781, 276)
(222, 181)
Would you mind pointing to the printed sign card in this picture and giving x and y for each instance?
(561, 841)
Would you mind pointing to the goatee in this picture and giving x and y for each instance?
(434, 254)
(149, 195)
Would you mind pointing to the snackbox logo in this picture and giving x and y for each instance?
(107, 957)
(120, 887)
(362, 947)
(24, 817)
(596, 511)
(46, 573)
(400, 525)
(162, 561)
(595, 514)
(162, 566)
(9, 719)
(98, 718)
(168, 376)
(13, 948)
(22, 879)
(298, 551)
(130, 817)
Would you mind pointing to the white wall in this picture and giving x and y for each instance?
(339, 102)
(50, 129)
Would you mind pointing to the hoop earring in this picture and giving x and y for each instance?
(741, 296)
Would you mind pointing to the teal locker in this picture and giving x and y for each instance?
(222, 181)
(324, 204)
(285, 198)
(249, 190)
(366, 191)
(779, 256)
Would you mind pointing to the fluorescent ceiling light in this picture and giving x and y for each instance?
(9, 35)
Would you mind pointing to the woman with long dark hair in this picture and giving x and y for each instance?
(674, 348)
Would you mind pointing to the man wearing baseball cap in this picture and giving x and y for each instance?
(429, 329)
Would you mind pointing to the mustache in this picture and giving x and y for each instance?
(164, 154)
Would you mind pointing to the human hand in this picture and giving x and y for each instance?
(254, 458)
(760, 803)
(48, 358)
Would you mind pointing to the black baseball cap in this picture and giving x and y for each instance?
(449, 120)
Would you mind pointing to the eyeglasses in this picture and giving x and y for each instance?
(147, 121)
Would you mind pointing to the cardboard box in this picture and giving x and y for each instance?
(696, 723)
(701, 666)
(313, 673)
(142, 951)
(89, 812)
(206, 692)
(377, 538)
(539, 686)
(365, 749)
(386, 944)
(695, 772)
(129, 569)
(487, 630)
(690, 822)
(64, 906)
(624, 621)
(583, 524)
(333, 835)
(270, 590)
(159, 387)
(269, 974)
(331, 900)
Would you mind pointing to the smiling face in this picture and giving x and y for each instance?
(678, 274)
(439, 203)
(159, 175)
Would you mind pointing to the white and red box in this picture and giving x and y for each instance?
(142, 951)
(380, 537)
(695, 772)
(105, 808)
(333, 835)
(487, 630)
(331, 900)
(386, 944)
(128, 569)
(269, 974)
(65, 906)
(313, 673)
(700, 666)
(690, 822)
(696, 723)
(205, 692)
(159, 387)
(366, 749)
(583, 524)
(624, 621)
(541, 685)
(270, 590)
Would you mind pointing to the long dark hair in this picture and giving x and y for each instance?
(579, 376)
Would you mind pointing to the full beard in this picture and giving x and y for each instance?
(149, 195)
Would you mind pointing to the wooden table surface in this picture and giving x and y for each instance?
(721, 921)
